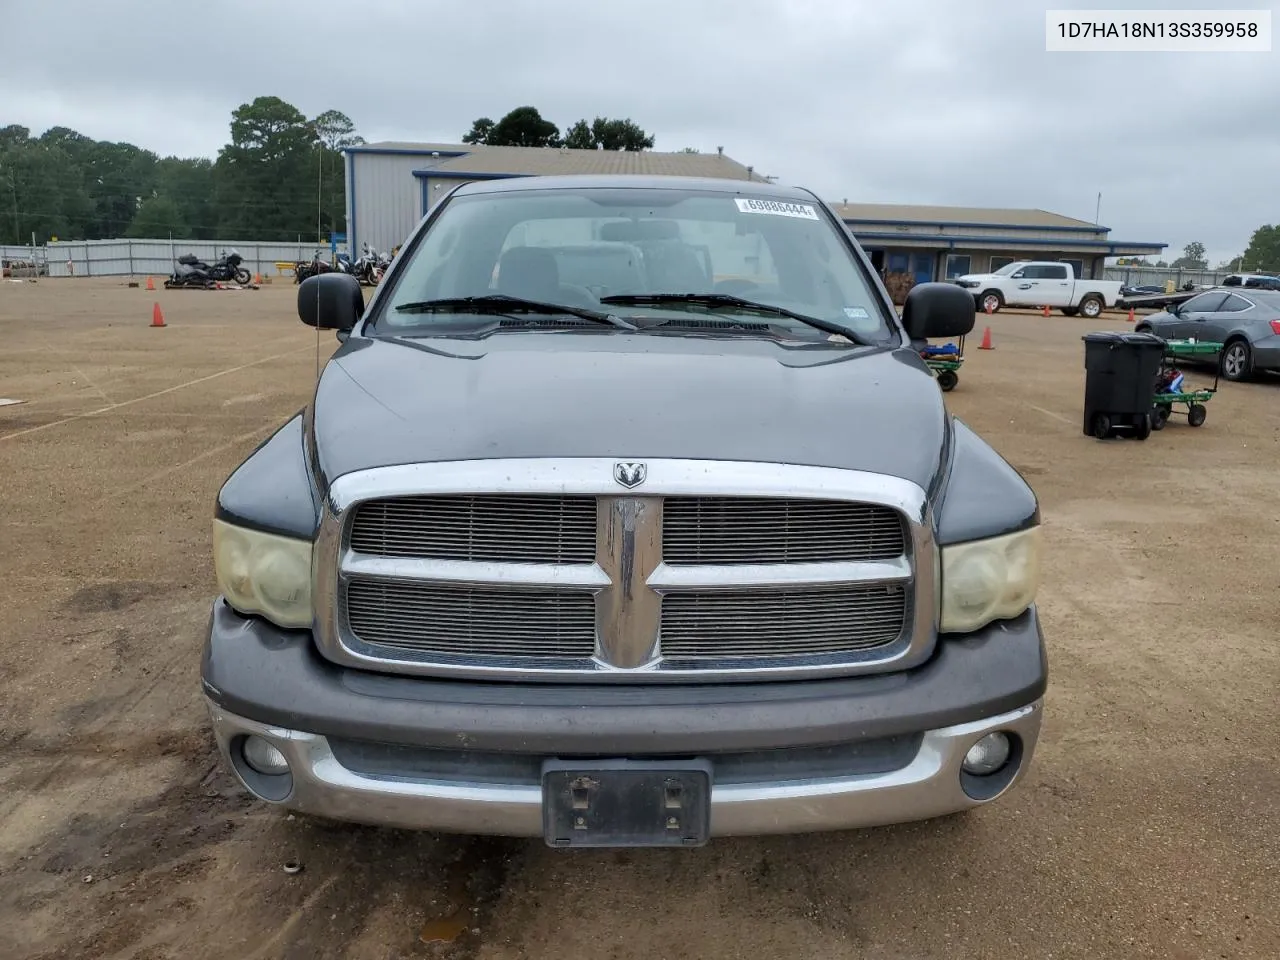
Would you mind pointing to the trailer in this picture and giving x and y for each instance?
(1156, 301)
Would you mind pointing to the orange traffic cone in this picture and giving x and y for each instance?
(157, 316)
(257, 279)
(1131, 314)
(1046, 309)
(988, 309)
(151, 284)
(986, 340)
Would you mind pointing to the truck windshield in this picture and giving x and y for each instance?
(621, 250)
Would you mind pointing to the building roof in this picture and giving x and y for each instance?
(404, 146)
(956, 216)
(643, 181)
(551, 161)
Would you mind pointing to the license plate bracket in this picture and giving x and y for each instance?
(626, 803)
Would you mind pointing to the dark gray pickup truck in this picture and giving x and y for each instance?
(627, 514)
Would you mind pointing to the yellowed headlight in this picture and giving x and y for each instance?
(987, 580)
(264, 573)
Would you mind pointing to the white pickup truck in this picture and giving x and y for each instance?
(1041, 283)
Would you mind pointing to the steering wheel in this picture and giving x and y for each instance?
(574, 295)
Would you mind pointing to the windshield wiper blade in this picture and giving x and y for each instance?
(499, 303)
(729, 300)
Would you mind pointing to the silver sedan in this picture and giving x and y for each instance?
(1246, 322)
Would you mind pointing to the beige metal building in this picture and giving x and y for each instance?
(942, 243)
(392, 185)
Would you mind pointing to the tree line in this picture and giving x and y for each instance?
(279, 177)
(526, 127)
(1261, 256)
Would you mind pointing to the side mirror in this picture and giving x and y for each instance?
(1017, 276)
(330, 301)
(936, 311)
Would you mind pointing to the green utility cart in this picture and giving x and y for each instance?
(1170, 389)
(945, 361)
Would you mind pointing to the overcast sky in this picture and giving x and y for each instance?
(909, 101)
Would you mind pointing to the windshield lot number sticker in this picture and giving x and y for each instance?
(801, 210)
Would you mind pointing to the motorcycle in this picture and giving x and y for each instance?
(226, 269)
(369, 268)
(190, 273)
(309, 268)
(383, 265)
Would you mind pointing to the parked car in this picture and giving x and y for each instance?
(587, 541)
(1247, 322)
(1261, 281)
(1034, 283)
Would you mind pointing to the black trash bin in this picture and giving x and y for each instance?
(1120, 383)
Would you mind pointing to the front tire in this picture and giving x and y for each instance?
(1101, 426)
(1196, 414)
(991, 301)
(1161, 416)
(1091, 307)
(947, 380)
(1236, 363)
(243, 277)
(1144, 427)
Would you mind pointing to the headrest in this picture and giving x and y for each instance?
(529, 272)
(538, 258)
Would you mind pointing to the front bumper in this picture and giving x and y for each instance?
(464, 757)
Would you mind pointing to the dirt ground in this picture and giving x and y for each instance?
(1146, 828)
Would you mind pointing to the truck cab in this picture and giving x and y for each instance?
(627, 514)
(1041, 283)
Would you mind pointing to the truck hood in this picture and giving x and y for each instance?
(982, 277)
(607, 394)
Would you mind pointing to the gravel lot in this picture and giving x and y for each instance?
(1147, 827)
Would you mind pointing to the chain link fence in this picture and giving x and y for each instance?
(1159, 276)
(142, 257)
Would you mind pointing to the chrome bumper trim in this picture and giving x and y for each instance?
(927, 787)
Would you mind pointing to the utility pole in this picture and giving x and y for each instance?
(320, 194)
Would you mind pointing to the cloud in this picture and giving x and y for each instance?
(924, 101)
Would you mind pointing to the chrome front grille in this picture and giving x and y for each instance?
(781, 623)
(705, 530)
(452, 620)
(550, 569)
(503, 529)
(695, 530)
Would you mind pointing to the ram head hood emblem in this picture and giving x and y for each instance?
(630, 474)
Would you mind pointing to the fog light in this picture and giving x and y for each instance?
(987, 755)
(263, 757)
